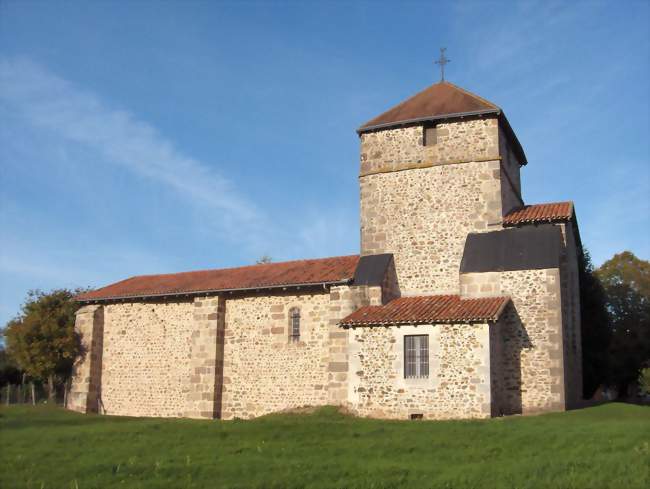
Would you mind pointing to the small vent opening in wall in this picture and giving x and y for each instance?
(416, 416)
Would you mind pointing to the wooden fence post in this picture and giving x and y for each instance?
(33, 395)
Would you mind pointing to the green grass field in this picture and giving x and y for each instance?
(600, 447)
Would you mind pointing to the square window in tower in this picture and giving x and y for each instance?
(430, 136)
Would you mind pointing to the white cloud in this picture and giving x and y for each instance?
(81, 117)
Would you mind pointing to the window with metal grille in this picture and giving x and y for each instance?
(416, 356)
(294, 324)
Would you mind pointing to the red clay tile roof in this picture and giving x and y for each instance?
(300, 272)
(428, 309)
(437, 101)
(556, 211)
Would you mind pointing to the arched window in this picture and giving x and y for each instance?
(294, 324)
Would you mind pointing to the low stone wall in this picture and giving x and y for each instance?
(458, 385)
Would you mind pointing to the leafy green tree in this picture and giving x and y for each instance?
(596, 328)
(42, 340)
(626, 281)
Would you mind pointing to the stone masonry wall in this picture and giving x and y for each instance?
(212, 357)
(146, 361)
(458, 385)
(345, 300)
(420, 202)
(402, 148)
(532, 348)
(423, 217)
(264, 370)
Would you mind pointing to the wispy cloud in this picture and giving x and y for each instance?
(79, 118)
(82, 117)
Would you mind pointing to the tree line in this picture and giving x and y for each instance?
(615, 310)
(41, 343)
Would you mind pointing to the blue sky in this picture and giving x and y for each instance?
(150, 137)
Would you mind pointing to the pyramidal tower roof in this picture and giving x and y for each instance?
(439, 101)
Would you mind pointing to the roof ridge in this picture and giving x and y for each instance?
(302, 260)
(424, 296)
(570, 202)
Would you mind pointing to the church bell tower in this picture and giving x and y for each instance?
(440, 165)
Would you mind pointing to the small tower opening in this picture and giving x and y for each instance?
(430, 135)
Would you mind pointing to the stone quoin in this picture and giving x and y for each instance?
(462, 303)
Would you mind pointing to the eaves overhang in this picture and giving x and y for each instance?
(406, 122)
(211, 292)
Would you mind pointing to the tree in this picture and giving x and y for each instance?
(626, 281)
(42, 340)
(264, 259)
(596, 328)
(9, 372)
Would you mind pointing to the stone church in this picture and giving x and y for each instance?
(462, 303)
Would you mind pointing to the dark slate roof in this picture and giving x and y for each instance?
(523, 248)
(538, 213)
(340, 269)
(428, 310)
(441, 100)
(372, 269)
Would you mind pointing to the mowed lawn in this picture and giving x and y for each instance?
(599, 447)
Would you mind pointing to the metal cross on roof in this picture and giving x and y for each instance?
(442, 62)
